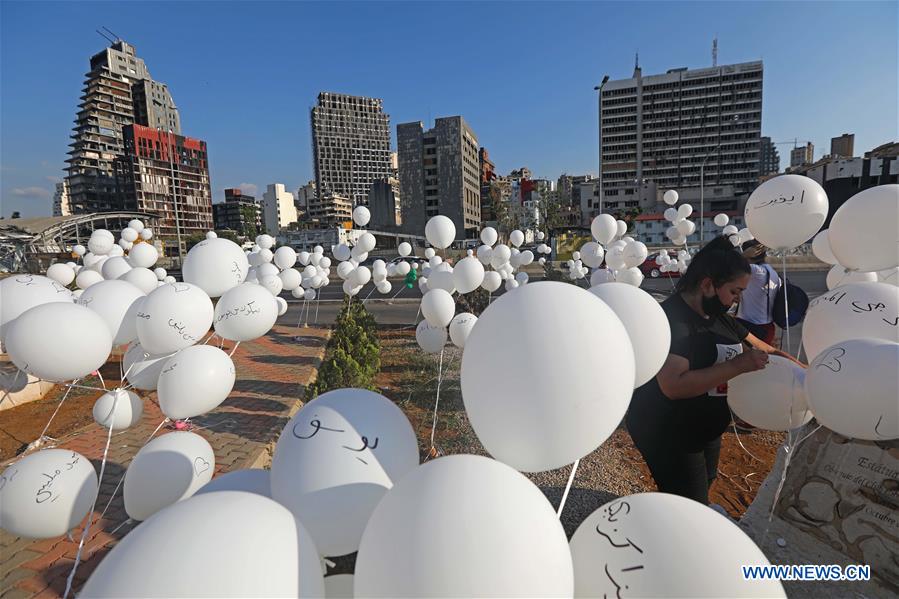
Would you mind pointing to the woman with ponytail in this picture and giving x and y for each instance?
(676, 419)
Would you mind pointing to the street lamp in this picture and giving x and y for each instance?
(702, 185)
(598, 88)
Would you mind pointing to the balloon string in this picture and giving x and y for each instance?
(234, 349)
(786, 303)
(317, 302)
(398, 292)
(567, 488)
(61, 401)
(369, 294)
(303, 307)
(102, 382)
(90, 514)
(733, 422)
(789, 448)
(436, 402)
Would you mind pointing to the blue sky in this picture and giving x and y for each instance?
(244, 75)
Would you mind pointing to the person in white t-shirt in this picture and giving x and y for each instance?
(757, 301)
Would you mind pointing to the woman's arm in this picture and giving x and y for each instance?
(677, 381)
(768, 349)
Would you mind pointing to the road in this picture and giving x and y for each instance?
(401, 307)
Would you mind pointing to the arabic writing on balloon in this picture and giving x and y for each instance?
(782, 200)
(247, 309)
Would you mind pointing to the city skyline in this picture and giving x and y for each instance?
(529, 97)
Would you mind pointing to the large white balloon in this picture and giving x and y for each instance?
(250, 480)
(361, 215)
(143, 255)
(549, 411)
(141, 368)
(46, 494)
(460, 328)
(837, 275)
(19, 293)
(215, 266)
(516, 238)
(492, 281)
(440, 231)
(142, 278)
(430, 338)
(118, 409)
(174, 316)
(646, 324)
(489, 236)
(166, 470)
(852, 389)
(634, 547)
(58, 341)
(852, 311)
(166, 557)
(438, 307)
(485, 549)
(468, 274)
(771, 398)
(864, 231)
(604, 228)
(335, 460)
(194, 381)
(786, 211)
(821, 248)
(245, 312)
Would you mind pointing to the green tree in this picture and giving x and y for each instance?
(248, 220)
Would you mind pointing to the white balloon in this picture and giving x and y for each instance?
(160, 273)
(547, 414)
(852, 311)
(592, 254)
(322, 261)
(384, 287)
(79, 250)
(118, 304)
(309, 295)
(119, 409)
(540, 235)
(786, 211)
(521, 278)
(670, 214)
(500, 255)
(837, 275)
(360, 276)
(745, 235)
(430, 338)
(821, 248)
(285, 257)
(492, 281)
(194, 381)
(115, 267)
(125, 245)
(350, 289)
(771, 398)
(864, 231)
(100, 244)
(684, 210)
(631, 276)
(835, 378)
(265, 241)
(435, 261)
(622, 228)
(142, 278)
(430, 253)
(361, 215)
(245, 312)
(146, 234)
(143, 255)
(604, 228)
(58, 341)
(889, 276)
(402, 268)
(516, 238)
(172, 317)
(336, 459)
(489, 236)
(290, 279)
(635, 253)
(116, 250)
(165, 557)
(215, 266)
(404, 249)
(634, 547)
(440, 231)
(272, 283)
(471, 493)
(166, 470)
(266, 269)
(339, 586)
(442, 280)
(318, 250)
(600, 276)
(686, 227)
(526, 257)
(366, 243)
(721, 219)
(670, 197)
(249, 480)
(141, 368)
(129, 234)
(211, 234)
(46, 493)
(438, 307)
(460, 328)
(136, 225)
(19, 293)
(730, 230)
(87, 277)
(303, 258)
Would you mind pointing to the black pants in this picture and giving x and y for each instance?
(679, 471)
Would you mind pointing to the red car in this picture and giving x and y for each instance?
(650, 269)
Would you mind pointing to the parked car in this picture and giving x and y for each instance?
(650, 269)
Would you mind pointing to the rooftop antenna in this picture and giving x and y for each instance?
(114, 35)
(636, 60)
(715, 51)
(106, 37)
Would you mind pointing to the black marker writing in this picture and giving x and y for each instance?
(831, 360)
(315, 423)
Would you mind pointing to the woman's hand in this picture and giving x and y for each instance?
(751, 360)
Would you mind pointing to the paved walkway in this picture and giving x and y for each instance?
(272, 373)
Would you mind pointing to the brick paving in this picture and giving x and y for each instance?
(272, 373)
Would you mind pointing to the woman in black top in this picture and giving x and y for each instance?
(676, 419)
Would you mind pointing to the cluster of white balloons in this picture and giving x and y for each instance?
(622, 254)
(277, 270)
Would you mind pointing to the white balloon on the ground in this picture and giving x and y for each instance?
(144, 255)
(549, 410)
(837, 275)
(175, 316)
(684, 210)
(772, 398)
(87, 277)
(852, 389)
(600, 276)
(864, 231)
(142, 278)
(470, 493)
(440, 231)
(430, 338)
(272, 283)
(265, 241)
(46, 494)
(646, 325)
(721, 219)
(21, 292)
(670, 197)
(245, 312)
(786, 211)
(290, 279)
(361, 215)
(821, 248)
(516, 238)
(442, 280)
(114, 268)
(166, 470)
(166, 557)
(118, 304)
(215, 266)
(58, 341)
(285, 257)
(438, 307)
(61, 273)
(248, 480)
(141, 368)
(851, 311)
(604, 228)
(492, 281)
(119, 409)
(489, 236)
(194, 381)
(460, 328)
(634, 547)
(336, 459)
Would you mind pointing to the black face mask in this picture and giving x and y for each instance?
(713, 307)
